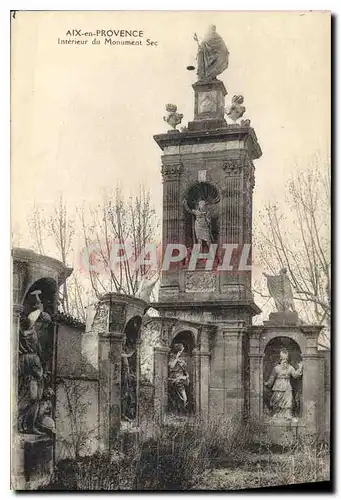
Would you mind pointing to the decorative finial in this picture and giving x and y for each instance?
(173, 119)
(235, 110)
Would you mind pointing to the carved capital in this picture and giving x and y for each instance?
(233, 166)
(172, 170)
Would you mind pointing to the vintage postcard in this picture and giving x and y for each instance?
(171, 262)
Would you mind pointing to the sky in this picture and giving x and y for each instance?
(83, 116)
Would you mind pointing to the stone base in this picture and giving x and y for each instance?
(129, 436)
(283, 318)
(282, 433)
(32, 461)
(212, 124)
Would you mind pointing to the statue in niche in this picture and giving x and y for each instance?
(212, 56)
(202, 224)
(128, 382)
(280, 290)
(178, 379)
(282, 401)
(33, 377)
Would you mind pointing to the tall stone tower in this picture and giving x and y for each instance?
(210, 161)
(208, 181)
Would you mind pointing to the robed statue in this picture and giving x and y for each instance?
(178, 378)
(33, 376)
(202, 224)
(279, 287)
(128, 382)
(282, 401)
(212, 57)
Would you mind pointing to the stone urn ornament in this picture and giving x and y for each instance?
(235, 110)
(173, 119)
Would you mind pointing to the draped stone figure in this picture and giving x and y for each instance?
(202, 224)
(178, 377)
(146, 287)
(32, 375)
(128, 384)
(281, 402)
(213, 56)
(279, 287)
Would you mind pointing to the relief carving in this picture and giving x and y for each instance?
(200, 282)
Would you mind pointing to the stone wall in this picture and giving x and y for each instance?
(76, 417)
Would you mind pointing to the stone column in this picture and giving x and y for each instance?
(110, 351)
(233, 369)
(17, 458)
(256, 386)
(171, 220)
(160, 382)
(256, 373)
(202, 382)
(313, 381)
(231, 226)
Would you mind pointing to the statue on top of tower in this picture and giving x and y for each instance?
(213, 55)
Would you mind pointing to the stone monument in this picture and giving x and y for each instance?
(36, 281)
(287, 371)
(208, 182)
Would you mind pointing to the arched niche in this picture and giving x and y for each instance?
(130, 369)
(184, 367)
(271, 360)
(209, 193)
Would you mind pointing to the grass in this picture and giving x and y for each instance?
(195, 455)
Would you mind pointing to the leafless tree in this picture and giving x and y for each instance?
(299, 240)
(75, 409)
(36, 224)
(56, 229)
(131, 223)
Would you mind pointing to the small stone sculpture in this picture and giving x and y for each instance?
(245, 123)
(173, 119)
(146, 287)
(235, 110)
(280, 290)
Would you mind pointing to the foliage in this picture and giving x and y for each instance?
(73, 416)
(298, 239)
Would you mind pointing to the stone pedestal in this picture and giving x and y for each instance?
(114, 312)
(32, 461)
(283, 318)
(110, 352)
(282, 433)
(208, 106)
